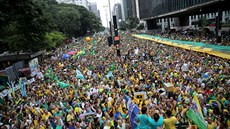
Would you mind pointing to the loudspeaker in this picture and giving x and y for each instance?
(109, 39)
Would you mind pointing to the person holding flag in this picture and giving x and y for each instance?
(195, 113)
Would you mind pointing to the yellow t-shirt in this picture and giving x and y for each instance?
(223, 99)
(170, 123)
(77, 109)
(69, 117)
(42, 127)
(137, 81)
(136, 101)
(120, 109)
(46, 116)
(174, 112)
(71, 92)
(228, 123)
(47, 91)
(53, 111)
(212, 125)
(109, 103)
(131, 78)
(35, 123)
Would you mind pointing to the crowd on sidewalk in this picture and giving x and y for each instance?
(196, 36)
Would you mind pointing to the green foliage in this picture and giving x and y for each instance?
(28, 24)
(123, 26)
(71, 19)
(140, 26)
(22, 24)
(202, 22)
(132, 22)
(68, 20)
(54, 39)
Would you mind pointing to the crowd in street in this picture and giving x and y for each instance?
(137, 65)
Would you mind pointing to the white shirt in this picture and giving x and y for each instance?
(95, 90)
(99, 115)
(184, 67)
(199, 80)
(106, 127)
(83, 105)
(136, 51)
(110, 99)
(89, 73)
(205, 111)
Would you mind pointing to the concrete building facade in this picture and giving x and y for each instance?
(93, 9)
(166, 14)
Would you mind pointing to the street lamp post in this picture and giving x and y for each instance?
(111, 26)
(110, 11)
(106, 14)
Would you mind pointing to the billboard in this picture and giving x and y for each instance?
(34, 66)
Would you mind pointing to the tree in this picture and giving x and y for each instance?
(68, 20)
(89, 21)
(202, 22)
(54, 39)
(123, 26)
(132, 22)
(140, 26)
(23, 25)
(74, 20)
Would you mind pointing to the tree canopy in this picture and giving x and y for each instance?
(25, 24)
(130, 23)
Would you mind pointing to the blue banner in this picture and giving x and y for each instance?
(133, 111)
(23, 88)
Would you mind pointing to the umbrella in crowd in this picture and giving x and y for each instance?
(65, 56)
(71, 52)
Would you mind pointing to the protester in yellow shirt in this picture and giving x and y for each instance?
(170, 121)
(46, 115)
(211, 124)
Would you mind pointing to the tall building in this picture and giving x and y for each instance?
(117, 11)
(77, 2)
(93, 9)
(129, 8)
(124, 11)
(180, 14)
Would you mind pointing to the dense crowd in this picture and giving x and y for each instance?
(196, 36)
(137, 65)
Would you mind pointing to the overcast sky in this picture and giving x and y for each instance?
(100, 4)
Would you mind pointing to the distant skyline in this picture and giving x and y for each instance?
(100, 4)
